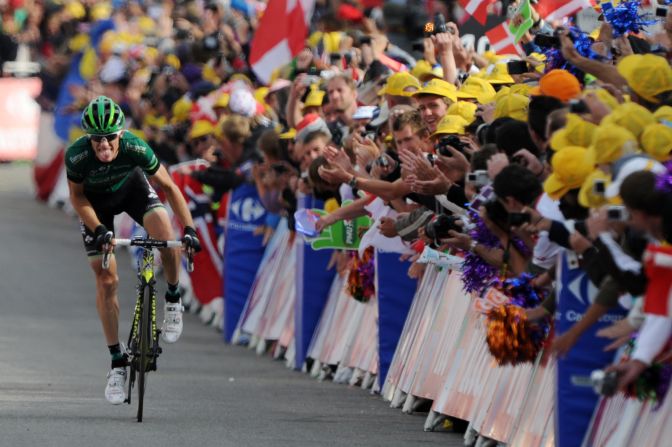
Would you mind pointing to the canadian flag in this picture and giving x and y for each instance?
(658, 268)
(280, 36)
(559, 9)
(502, 41)
(478, 9)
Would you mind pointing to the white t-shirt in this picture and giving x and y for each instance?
(546, 252)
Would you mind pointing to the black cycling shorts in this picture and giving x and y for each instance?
(136, 197)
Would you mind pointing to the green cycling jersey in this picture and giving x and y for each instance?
(82, 165)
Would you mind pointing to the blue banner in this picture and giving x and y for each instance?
(576, 399)
(395, 294)
(243, 252)
(313, 282)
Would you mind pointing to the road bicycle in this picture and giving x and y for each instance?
(143, 341)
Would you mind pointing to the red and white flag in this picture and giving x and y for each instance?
(502, 40)
(658, 268)
(280, 36)
(478, 9)
(559, 9)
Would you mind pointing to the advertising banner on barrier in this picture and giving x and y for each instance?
(243, 251)
(19, 118)
(395, 294)
(313, 282)
(576, 399)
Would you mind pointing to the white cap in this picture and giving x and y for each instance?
(630, 165)
(113, 70)
(242, 102)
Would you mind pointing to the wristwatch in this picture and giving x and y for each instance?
(353, 182)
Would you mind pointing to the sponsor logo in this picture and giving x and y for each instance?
(247, 209)
(79, 157)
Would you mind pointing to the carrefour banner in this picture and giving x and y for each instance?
(243, 252)
(395, 295)
(576, 399)
(313, 282)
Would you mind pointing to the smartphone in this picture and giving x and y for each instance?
(599, 187)
(517, 219)
(365, 40)
(517, 67)
(661, 12)
(547, 41)
(617, 213)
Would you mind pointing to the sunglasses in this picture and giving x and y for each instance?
(110, 137)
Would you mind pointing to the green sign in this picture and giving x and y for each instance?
(343, 235)
(522, 21)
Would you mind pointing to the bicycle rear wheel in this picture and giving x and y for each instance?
(145, 346)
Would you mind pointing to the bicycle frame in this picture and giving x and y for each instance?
(146, 281)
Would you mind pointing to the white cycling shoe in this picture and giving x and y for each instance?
(115, 391)
(172, 321)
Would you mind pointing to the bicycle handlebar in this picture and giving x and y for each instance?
(149, 243)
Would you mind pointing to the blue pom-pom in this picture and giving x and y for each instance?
(625, 18)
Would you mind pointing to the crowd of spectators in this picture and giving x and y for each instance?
(560, 152)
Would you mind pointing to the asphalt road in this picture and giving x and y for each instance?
(53, 363)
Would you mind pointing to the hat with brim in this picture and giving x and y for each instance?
(588, 198)
(438, 87)
(629, 165)
(451, 124)
(570, 170)
(577, 132)
(610, 143)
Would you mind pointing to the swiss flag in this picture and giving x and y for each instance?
(559, 9)
(281, 35)
(658, 268)
(502, 41)
(478, 9)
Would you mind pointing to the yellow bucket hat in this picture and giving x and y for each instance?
(570, 170)
(663, 113)
(577, 132)
(466, 110)
(632, 116)
(513, 106)
(438, 87)
(498, 74)
(400, 84)
(451, 124)
(610, 142)
(424, 71)
(477, 88)
(647, 75)
(180, 110)
(588, 198)
(289, 135)
(656, 141)
(201, 128)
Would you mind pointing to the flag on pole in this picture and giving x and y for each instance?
(559, 9)
(280, 36)
(502, 41)
(478, 9)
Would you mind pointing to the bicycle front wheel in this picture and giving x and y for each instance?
(145, 346)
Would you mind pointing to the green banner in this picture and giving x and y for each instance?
(522, 20)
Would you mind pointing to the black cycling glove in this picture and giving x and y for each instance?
(102, 236)
(190, 239)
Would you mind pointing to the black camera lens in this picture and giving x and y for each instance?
(449, 140)
(440, 226)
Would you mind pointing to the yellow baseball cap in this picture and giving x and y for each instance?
(424, 71)
(498, 74)
(656, 141)
(477, 88)
(181, 109)
(577, 132)
(201, 128)
(570, 170)
(610, 142)
(513, 106)
(588, 198)
(521, 89)
(152, 120)
(400, 84)
(438, 87)
(222, 101)
(606, 97)
(289, 135)
(632, 116)
(315, 98)
(464, 109)
(451, 124)
(647, 75)
(663, 113)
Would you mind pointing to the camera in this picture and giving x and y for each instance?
(661, 12)
(518, 219)
(578, 106)
(439, 227)
(382, 161)
(617, 213)
(449, 140)
(517, 67)
(335, 58)
(599, 187)
(431, 158)
(497, 213)
(547, 41)
(365, 40)
(310, 80)
(437, 26)
(605, 384)
(478, 178)
(279, 168)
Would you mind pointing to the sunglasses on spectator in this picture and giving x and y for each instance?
(110, 137)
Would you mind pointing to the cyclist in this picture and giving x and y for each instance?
(106, 172)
